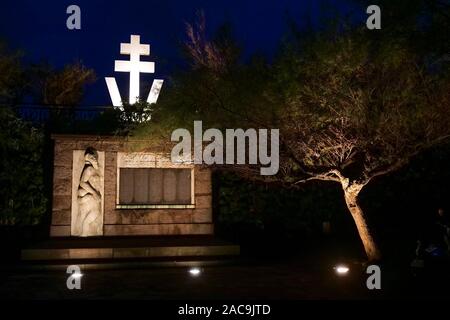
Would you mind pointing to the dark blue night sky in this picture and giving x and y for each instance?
(39, 28)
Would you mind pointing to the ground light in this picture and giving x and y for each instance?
(341, 269)
(195, 272)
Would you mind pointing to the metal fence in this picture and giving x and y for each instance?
(45, 113)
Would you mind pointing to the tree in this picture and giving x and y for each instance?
(12, 77)
(353, 113)
(63, 87)
(22, 200)
(419, 23)
(22, 197)
(349, 109)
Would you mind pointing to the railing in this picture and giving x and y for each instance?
(44, 113)
(68, 119)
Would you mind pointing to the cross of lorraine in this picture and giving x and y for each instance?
(134, 66)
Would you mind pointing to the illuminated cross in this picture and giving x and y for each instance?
(135, 49)
(134, 66)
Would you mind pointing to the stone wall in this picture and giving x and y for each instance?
(120, 222)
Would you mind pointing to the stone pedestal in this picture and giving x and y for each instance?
(117, 220)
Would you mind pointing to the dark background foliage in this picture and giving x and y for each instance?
(22, 196)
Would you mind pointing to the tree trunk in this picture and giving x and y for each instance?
(351, 199)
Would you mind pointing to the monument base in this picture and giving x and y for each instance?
(126, 248)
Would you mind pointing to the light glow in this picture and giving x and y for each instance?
(135, 49)
(194, 272)
(154, 91)
(134, 66)
(341, 269)
(77, 275)
(114, 92)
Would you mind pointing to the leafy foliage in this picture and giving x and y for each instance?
(22, 198)
(357, 109)
(350, 105)
(12, 76)
(60, 87)
(347, 106)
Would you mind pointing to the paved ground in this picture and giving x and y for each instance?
(282, 280)
(310, 276)
(236, 282)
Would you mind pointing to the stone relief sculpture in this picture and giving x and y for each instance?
(89, 214)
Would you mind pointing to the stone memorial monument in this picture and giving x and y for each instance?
(109, 186)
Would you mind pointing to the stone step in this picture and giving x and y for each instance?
(115, 264)
(129, 248)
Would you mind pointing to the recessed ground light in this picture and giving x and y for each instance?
(195, 272)
(341, 269)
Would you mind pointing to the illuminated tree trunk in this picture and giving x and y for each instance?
(351, 199)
